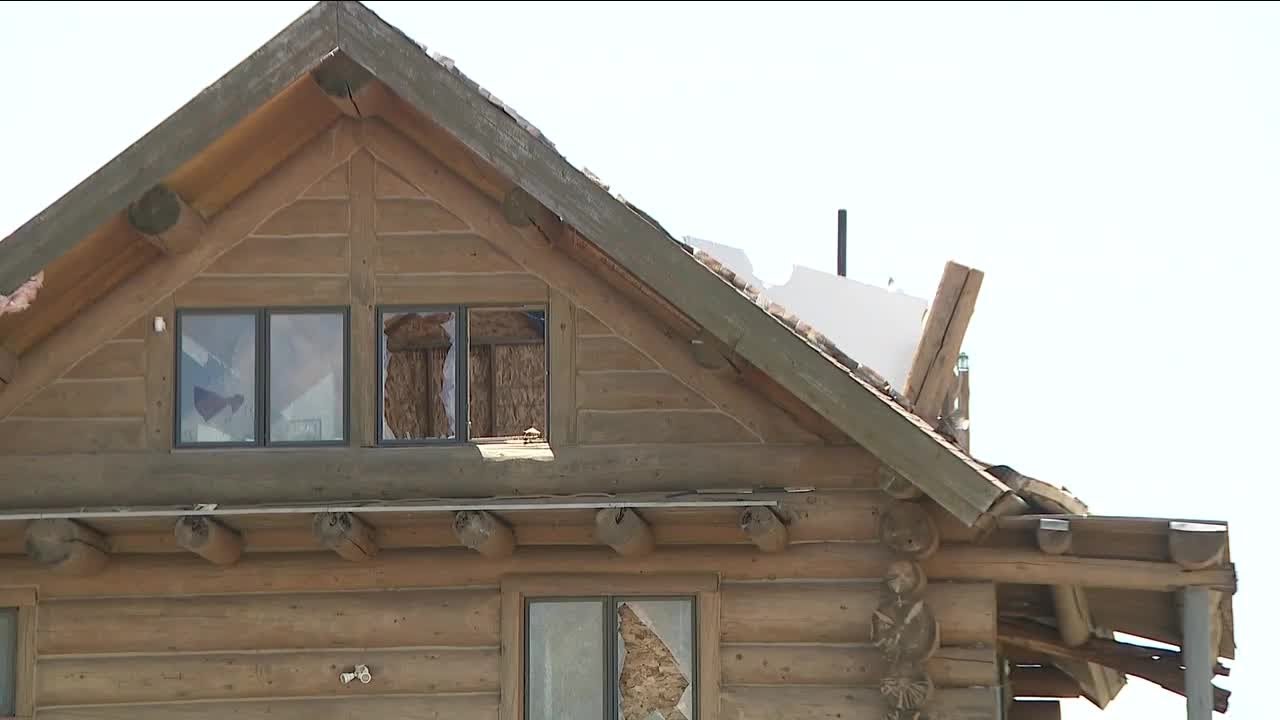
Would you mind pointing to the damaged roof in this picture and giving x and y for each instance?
(836, 386)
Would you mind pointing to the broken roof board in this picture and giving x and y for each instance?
(502, 140)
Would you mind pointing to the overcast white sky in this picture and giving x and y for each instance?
(1113, 168)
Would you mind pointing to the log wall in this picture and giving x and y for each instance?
(165, 634)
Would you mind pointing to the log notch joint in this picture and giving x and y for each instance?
(764, 528)
(167, 222)
(625, 531)
(485, 533)
(209, 539)
(66, 547)
(345, 534)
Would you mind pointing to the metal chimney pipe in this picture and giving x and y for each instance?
(842, 232)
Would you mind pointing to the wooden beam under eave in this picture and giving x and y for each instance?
(352, 88)
(66, 547)
(346, 534)
(625, 531)
(1035, 710)
(209, 539)
(165, 220)
(1196, 546)
(933, 367)
(1045, 681)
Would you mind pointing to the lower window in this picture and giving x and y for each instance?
(615, 648)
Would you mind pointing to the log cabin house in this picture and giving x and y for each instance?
(341, 393)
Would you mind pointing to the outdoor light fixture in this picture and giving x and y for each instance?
(962, 363)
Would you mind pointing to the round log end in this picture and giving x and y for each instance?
(345, 534)
(906, 632)
(907, 688)
(905, 578)
(484, 533)
(66, 547)
(156, 211)
(906, 528)
(625, 531)
(209, 539)
(764, 528)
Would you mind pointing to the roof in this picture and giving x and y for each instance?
(849, 395)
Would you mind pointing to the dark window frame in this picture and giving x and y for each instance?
(609, 626)
(462, 370)
(262, 375)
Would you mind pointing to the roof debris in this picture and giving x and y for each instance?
(22, 298)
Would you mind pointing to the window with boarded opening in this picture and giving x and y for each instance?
(457, 373)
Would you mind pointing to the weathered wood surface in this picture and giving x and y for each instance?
(165, 220)
(485, 533)
(802, 703)
(626, 531)
(454, 288)
(825, 612)
(114, 359)
(286, 255)
(619, 427)
(845, 665)
(820, 516)
(66, 547)
(120, 398)
(74, 480)
(907, 528)
(765, 529)
(610, 352)
(1032, 567)
(463, 706)
(1196, 546)
(346, 534)
(364, 413)
(299, 572)
(636, 390)
(165, 149)
(1035, 710)
(1042, 681)
(258, 290)
(173, 678)
(61, 436)
(564, 388)
(274, 622)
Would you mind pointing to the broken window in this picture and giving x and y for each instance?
(617, 658)
(430, 390)
(419, 388)
(231, 364)
(508, 371)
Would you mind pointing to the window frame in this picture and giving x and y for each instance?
(262, 315)
(517, 590)
(462, 369)
(24, 660)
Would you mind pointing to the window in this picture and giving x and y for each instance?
(611, 648)
(262, 377)
(431, 391)
(17, 651)
(8, 661)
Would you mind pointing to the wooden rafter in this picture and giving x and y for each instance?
(1162, 667)
(933, 368)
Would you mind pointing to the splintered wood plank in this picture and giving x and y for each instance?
(175, 575)
(841, 612)
(481, 706)
(610, 352)
(253, 290)
(452, 289)
(801, 703)
(120, 398)
(415, 215)
(452, 252)
(116, 359)
(644, 390)
(333, 185)
(46, 436)
(303, 254)
(603, 427)
(170, 678)
(412, 618)
(844, 665)
(308, 217)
